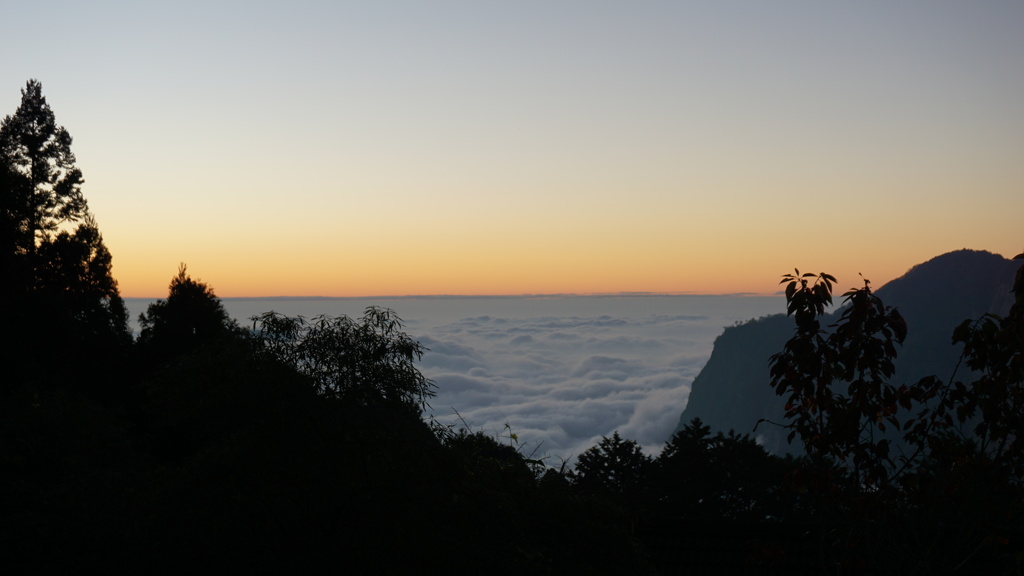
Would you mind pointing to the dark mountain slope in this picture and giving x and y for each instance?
(732, 390)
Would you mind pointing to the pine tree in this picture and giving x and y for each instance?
(62, 314)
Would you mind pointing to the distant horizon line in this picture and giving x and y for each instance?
(487, 296)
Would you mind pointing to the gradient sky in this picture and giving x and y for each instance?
(386, 148)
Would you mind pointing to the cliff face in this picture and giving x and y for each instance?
(732, 391)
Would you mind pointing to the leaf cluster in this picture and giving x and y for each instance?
(44, 185)
(955, 465)
(839, 398)
(368, 360)
(991, 408)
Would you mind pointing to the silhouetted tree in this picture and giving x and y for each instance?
(614, 466)
(840, 401)
(894, 492)
(43, 185)
(192, 316)
(368, 361)
(841, 405)
(61, 305)
(992, 407)
(968, 494)
(721, 505)
(490, 462)
(722, 476)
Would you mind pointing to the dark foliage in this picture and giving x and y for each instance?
(720, 477)
(300, 447)
(614, 467)
(836, 382)
(192, 317)
(367, 361)
(732, 390)
(950, 500)
(63, 318)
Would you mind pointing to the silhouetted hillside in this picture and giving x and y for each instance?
(732, 391)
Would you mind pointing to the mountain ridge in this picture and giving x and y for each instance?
(732, 391)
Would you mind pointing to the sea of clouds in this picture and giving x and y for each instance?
(559, 372)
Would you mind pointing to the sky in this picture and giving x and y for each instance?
(454, 147)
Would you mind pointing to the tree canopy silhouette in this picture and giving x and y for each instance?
(368, 361)
(59, 297)
(919, 476)
(190, 317)
(614, 466)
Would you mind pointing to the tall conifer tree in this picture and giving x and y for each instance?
(62, 314)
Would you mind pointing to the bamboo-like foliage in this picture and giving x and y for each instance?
(369, 360)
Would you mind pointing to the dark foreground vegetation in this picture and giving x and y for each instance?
(298, 446)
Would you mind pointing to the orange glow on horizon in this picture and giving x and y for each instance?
(701, 148)
(299, 279)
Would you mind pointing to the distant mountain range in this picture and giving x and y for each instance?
(732, 391)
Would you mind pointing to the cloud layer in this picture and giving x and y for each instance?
(560, 383)
(560, 372)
